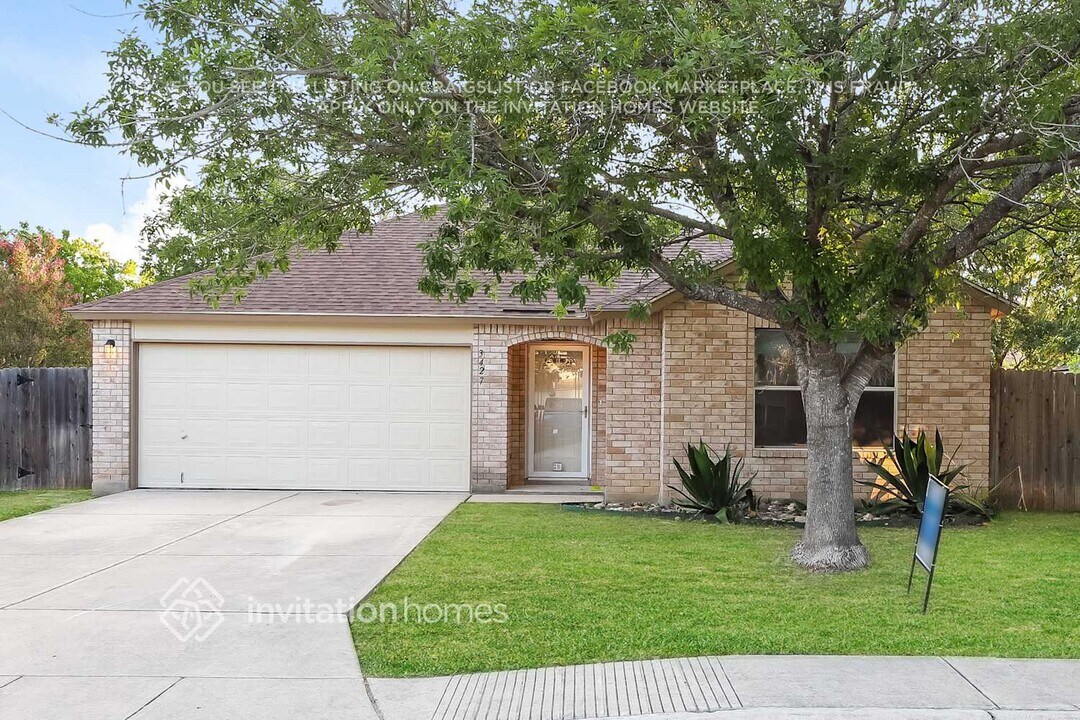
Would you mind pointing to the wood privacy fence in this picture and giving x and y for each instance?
(1035, 439)
(44, 428)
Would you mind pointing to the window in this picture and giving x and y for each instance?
(779, 419)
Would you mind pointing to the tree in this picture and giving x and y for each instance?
(34, 330)
(852, 154)
(92, 272)
(1040, 272)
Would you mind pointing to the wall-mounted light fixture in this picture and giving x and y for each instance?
(110, 346)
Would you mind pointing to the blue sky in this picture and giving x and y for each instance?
(51, 60)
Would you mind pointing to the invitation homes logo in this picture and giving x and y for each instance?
(192, 610)
(407, 611)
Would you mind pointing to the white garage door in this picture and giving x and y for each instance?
(303, 417)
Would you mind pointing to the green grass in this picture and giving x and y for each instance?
(581, 587)
(23, 502)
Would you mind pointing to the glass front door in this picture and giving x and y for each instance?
(559, 417)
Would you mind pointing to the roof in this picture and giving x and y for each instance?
(370, 274)
(376, 274)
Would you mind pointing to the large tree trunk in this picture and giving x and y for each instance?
(830, 542)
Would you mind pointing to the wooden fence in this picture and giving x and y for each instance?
(1035, 439)
(44, 428)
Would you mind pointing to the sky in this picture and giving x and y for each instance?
(52, 60)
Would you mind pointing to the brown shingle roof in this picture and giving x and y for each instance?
(371, 274)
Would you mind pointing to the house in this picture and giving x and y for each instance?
(340, 374)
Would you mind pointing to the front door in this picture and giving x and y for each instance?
(558, 411)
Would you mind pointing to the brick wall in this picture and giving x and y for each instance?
(111, 406)
(951, 391)
(517, 407)
(943, 381)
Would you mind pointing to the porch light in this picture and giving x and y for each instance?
(110, 346)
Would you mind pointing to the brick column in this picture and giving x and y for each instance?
(490, 385)
(111, 405)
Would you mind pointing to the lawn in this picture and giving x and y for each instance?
(586, 588)
(23, 502)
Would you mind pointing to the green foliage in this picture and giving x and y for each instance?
(712, 487)
(1040, 272)
(92, 272)
(850, 155)
(40, 275)
(915, 460)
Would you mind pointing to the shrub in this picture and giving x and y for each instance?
(915, 461)
(712, 487)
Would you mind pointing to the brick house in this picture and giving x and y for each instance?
(340, 374)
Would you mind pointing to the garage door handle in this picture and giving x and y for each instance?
(183, 437)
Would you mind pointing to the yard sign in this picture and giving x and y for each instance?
(926, 544)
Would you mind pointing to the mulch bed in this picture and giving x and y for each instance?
(782, 513)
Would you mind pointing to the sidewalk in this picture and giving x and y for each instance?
(747, 688)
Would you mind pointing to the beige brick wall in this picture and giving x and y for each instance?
(952, 389)
(943, 381)
(517, 407)
(111, 406)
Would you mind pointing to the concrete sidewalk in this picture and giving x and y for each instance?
(747, 687)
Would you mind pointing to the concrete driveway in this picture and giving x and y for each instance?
(156, 604)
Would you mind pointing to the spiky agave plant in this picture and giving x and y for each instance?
(711, 487)
(915, 460)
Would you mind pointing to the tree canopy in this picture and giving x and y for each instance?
(852, 155)
(40, 275)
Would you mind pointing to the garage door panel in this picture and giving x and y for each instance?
(330, 362)
(368, 398)
(369, 363)
(449, 474)
(408, 436)
(247, 471)
(287, 363)
(286, 471)
(286, 434)
(246, 396)
(246, 433)
(409, 398)
(205, 396)
(210, 360)
(448, 399)
(168, 394)
(327, 434)
(368, 434)
(448, 363)
(288, 398)
(326, 398)
(244, 361)
(203, 432)
(160, 470)
(446, 436)
(319, 417)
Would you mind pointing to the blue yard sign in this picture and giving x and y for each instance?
(926, 544)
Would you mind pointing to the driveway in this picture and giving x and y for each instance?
(222, 605)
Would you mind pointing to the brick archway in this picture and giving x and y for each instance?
(518, 402)
(626, 423)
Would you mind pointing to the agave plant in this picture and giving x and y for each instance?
(711, 487)
(915, 460)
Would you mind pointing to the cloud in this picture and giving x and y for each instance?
(124, 242)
